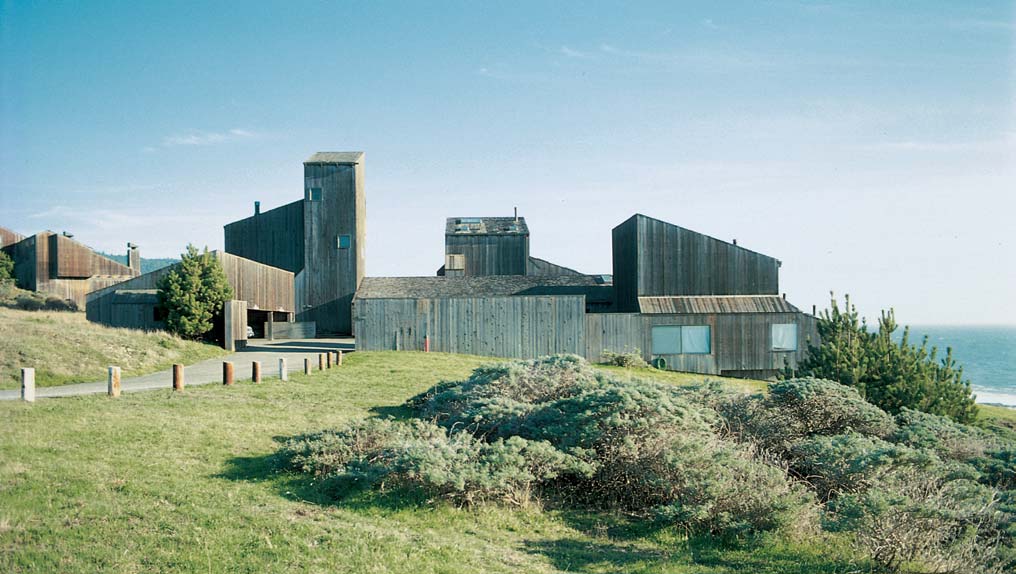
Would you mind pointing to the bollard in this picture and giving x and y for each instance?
(306, 366)
(283, 373)
(328, 359)
(177, 377)
(113, 388)
(255, 371)
(28, 385)
(340, 357)
(335, 357)
(227, 373)
(321, 361)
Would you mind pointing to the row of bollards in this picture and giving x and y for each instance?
(325, 361)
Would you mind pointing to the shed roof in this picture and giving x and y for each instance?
(336, 157)
(716, 304)
(482, 286)
(486, 226)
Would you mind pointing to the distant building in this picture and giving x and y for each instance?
(320, 239)
(262, 296)
(684, 300)
(60, 266)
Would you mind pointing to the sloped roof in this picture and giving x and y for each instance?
(716, 304)
(484, 286)
(486, 226)
(336, 157)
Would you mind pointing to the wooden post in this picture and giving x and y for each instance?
(28, 385)
(227, 373)
(306, 366)
(328, 359)
(321, 361)
(113, 386)
(340, 357)
(255, 371)
(283, 373)
(177, 377)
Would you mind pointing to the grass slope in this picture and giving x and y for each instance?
(66, 348)
(164, 482)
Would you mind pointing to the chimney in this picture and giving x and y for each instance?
(133, 259)
(257, 208)
(735, 241)
(784, 296)
(516, 214)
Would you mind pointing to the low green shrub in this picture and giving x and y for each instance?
(29, 302)
(628, 359)
(54, 303)
(947, 439)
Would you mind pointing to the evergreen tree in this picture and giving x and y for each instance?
(193, 293)
(6, 269)
(892, 375)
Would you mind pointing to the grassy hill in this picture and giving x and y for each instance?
(66, 348)
(161, 482)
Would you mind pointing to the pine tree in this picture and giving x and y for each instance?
(889, 374)
(192, 294)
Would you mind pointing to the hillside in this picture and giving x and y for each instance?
(65, 348)
(147, 265)
(158, 481)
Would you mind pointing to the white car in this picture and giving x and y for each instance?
(250, 332)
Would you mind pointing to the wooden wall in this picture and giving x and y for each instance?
(273, 237)
(234, 325)
(132, 303)
(740, 343)
(330, 276)
(516, 326)
(652, 257)
(506, 254)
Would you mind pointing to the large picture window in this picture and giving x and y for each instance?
(784, 337)
(681, 340)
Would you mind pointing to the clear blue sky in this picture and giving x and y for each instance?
(870, 146)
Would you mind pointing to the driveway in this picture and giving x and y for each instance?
(210, 371)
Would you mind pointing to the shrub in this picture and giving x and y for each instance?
(888, 373)
(628, 359)
(29, 302)
(457, 466)
(800, 408)
(54, 303)
(947, 439)
(192, 294)
(6, 270)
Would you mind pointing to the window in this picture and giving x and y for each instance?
(313, 194)
(343, 242)
(784, 337)
(681, 339)
(455, 262)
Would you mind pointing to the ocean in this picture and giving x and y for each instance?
(987, 355)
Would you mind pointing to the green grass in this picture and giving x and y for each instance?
(64, 347)
(188, 482)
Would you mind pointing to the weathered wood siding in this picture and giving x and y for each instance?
(273, 237)
(740, 343)
(330, 276)
(518, 326)
(506, 254)
(296, 330)
(652, 257)
(126, 304)
(234, 325)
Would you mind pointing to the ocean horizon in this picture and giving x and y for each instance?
(987, 354)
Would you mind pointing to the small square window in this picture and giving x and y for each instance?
(666, 340)
(313, 194)
(784, 336)
(344, 241)
(455, 262)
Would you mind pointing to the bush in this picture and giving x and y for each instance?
(947, 439)
(893, 375)
(457, 466)
(628, 359)
(54, 303)
(649, 449)
(29, 302)
(800, 408)
(6, 270)
(192, 294)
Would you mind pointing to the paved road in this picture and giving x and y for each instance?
(210, 371)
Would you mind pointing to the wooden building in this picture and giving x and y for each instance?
(685, 301)
(261, 294)
(320, 239)
(60, 266)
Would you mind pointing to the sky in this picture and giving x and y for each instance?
(870, 146)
